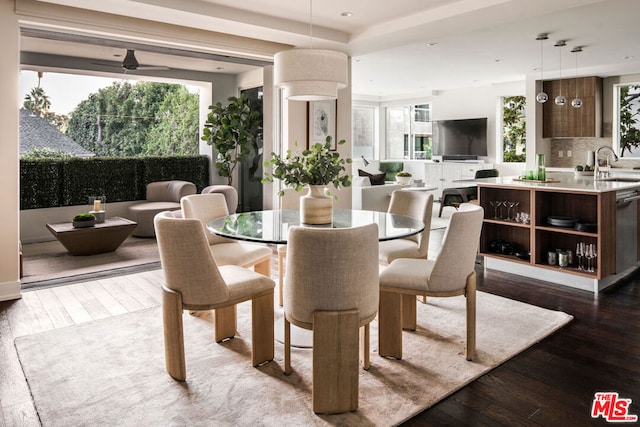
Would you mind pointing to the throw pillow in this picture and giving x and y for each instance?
(375, 179)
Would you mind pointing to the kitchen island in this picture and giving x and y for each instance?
(566, 210)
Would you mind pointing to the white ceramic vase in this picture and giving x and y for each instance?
(316, 207)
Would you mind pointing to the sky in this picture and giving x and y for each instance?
(65, 91)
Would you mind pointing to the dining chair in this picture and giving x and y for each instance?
(417, 205)
(455, 196)
(332, 289)
(229, 192)
(207, 207)
(193, 281)
(450, 274)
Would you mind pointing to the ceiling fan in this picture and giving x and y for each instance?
(130, 63)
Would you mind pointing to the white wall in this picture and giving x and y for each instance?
(472, 102)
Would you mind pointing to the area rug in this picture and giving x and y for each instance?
(111, 372)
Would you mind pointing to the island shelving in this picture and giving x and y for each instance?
(592, 202)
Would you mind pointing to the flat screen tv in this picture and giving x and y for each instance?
(464, 139)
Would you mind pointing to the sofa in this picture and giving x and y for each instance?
(161, 196)
(371, 197)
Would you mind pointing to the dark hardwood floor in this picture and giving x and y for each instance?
(550, 384)
(553, 383)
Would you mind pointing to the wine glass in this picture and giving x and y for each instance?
(593, 250)
(580, 254)
(588, 253)
(509, 207)
(495, 205)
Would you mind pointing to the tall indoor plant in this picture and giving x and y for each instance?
(231, 130)
(316, 167)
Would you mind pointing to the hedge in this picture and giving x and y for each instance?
(47, 183)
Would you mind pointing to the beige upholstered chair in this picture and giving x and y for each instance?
(161, 196)
(415, 204)
(451, 274)
(207, 207)
(193, 281)
(230, 195)
(331, 288)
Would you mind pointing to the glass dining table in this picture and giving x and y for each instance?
(272, 226)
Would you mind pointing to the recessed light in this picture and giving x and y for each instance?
(431, 44)
(219, 68)
(117, 55)
(347, 14)
(628, 57)
(497, 60)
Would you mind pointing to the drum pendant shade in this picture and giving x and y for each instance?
(310, 74)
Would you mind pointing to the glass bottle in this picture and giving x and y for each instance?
(541, 170)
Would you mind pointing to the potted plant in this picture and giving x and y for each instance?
(316, 167)
(231, 130)
(403, 177)
(84, 220)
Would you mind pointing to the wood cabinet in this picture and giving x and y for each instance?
(562, 121)
(538, 237)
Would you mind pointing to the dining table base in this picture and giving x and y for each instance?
(300, 337)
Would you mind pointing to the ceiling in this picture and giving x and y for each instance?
(400, 48)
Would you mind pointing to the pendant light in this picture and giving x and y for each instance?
(310, 74)
(560, 99)
(577, 102)
(542, 96)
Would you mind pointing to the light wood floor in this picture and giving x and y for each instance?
(59, 307)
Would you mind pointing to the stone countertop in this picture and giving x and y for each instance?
(568, 181)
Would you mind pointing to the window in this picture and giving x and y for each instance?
(364, 132)
(514, 135)
(627, 119)
(408, 134)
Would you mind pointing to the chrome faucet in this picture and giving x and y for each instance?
(597, 173)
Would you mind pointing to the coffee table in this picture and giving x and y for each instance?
(103, 237)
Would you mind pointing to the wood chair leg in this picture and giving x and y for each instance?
(409, 312)
(471, 316)
(365, 350)
(335, 361)
(262, 329)
(281, 273)
(287, 347)
(224, 323)
(173, 334)
(422, 299)
(390, 325)
(263, 267)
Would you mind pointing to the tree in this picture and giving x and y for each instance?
(175, 133)
(514, 125)
(629, 112)
(134, 120)
(231, 130)
(38, 102)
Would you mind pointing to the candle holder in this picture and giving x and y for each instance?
(97, 205)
